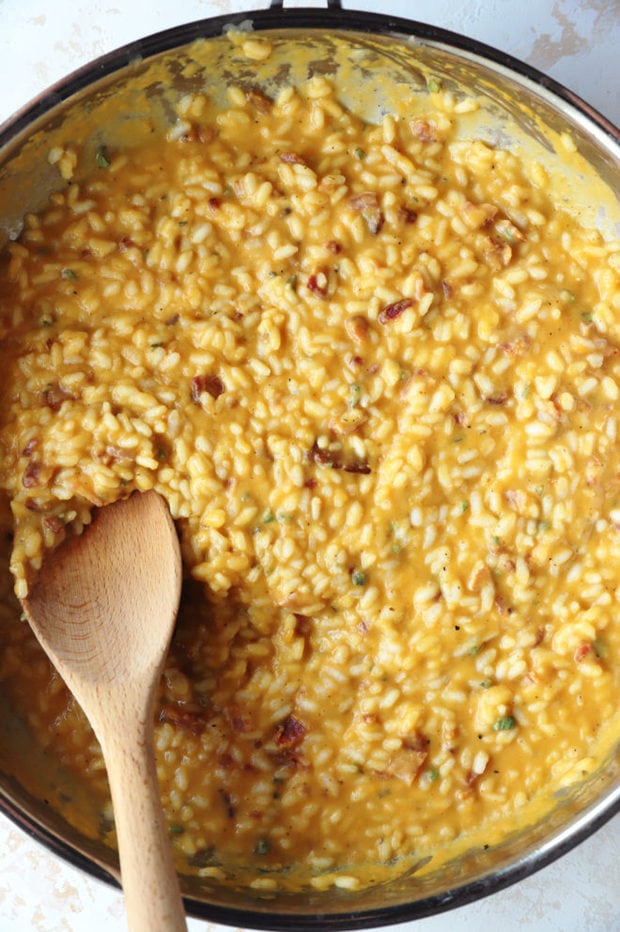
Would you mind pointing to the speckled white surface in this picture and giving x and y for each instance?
(578, 44)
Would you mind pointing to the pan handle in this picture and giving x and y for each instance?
(331, 4)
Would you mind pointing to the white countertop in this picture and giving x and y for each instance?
(575, 41)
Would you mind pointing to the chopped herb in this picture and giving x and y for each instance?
(506, 723)
(600, 648)
(458, 439)
(291, 281)
(360, 153)
(586, 316)
(432, 774)
(486, 684)
(46, 321)
(383, 793)
(175, 829)
(102, 157)
(182, 223)
(285, 516)
(526, 390)
(496, 540)
(156, 345)
(434, 85)
(358, 578)
(474, 651)
(355, 394)
(69, 273)
(262, 846)
(268, 517)
(464, 506)
(544, 525)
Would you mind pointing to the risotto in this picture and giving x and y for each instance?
(375, 374)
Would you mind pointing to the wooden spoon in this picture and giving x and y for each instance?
(103, 607)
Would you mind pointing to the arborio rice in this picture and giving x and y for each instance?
(375, 374)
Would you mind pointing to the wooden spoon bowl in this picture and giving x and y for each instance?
(103, 606)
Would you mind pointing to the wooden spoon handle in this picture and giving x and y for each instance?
(150, 883)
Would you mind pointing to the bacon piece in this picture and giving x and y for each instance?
(181, 717)
(258, 100)
(393, 311)
(290, 733)
(212, 384)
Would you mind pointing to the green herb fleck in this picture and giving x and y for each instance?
(544, 525)
(458, 439)
(434, 85)
(101, 157)
(496, 540)
(586, 316)
(268, 517)
(175, 829)
(291, 281)
(600, 648)
(285, 516)
(360, 153)
(505, 723)
(474, 651)
(355, 394)
(486, 684)
(157, 345)
(464, 506)
(432, 774)
(182, 223)
(262, 846)
(383, 793)
(358, 578)
(69, 273)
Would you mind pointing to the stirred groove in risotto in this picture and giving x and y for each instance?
(375, 373)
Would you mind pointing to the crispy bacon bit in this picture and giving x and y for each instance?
(368, 204)
(54, 396)
(582, 651)
(446, 288)
(180, 717)
(310, 483)
(540, 635)
(53, 524)
(32, 475)
(392, 311)
(290, 733)
(406, 214)
(324, 457)
(357, 328)
(317, 284)
(214, 203)
(499, 399)
(329, 458)
(359, 466)
(407, 763)
(334, 247)
(292, 157)
(424, 130)
(126, 243)
(30, 446)
(364, 201)
(258, 100)
(212, 384)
